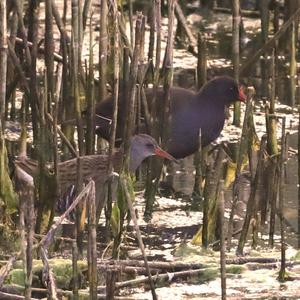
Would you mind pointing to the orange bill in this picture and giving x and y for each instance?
(242, 96)
(160, 152)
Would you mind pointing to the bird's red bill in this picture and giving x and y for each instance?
(242, 96)
(160, 152)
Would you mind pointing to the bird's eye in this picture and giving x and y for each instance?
(149, 145)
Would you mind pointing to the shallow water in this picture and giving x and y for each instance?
(182, 178)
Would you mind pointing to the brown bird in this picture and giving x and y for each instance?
(95, 166)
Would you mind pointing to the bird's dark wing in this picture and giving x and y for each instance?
(184, 133)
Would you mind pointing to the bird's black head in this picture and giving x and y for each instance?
(143, 146)
(224, 90)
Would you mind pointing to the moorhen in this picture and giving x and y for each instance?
(95, 166)
(189, 112)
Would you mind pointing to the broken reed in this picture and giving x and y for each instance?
(75, 59)
(7, 195)
(201, 78)
(272, 149)
(161, 130)
(265, 16)
(25, 190)
(90, 96)
(243, 148)
(282, 273)
(92, 243)
(75, 258)
(211, 193)
(153, 170)
(125, 185)
(221, 210)
(236, 21)
(271, 126)
(115, 42)
(103, 49)
(252, 208)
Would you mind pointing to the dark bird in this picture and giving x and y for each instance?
(95, 166)
(189, 112)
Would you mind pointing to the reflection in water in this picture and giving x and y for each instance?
(182, 179)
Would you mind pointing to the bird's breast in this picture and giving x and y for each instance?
(186, 125)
